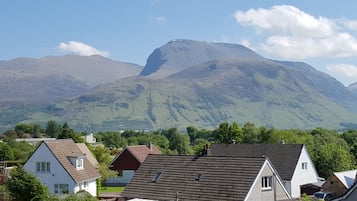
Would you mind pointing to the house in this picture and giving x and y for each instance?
(63, 168)
(340, 182)
(292, 161)
(90, 139)
(184, 177)
(128, 161)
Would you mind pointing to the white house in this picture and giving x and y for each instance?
(63, 168)
(90, 139)
(292, 161)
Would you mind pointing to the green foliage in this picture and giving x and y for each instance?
(67, 132)
(6, 152)
(227, 133)
(305, 197)
(24, 186)
(250, 133)
(112, 139)
(53, 129)
(80, 196)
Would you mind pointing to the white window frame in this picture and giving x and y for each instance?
(61, 189)
(79, 163)
(42, 166)
(267, 182)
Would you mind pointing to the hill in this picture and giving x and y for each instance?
(28, 80)
(232, 83)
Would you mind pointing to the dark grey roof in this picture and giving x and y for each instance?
(222, 178)
(284, 157)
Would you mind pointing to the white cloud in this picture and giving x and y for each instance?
(81, 49)
(346, 70)
(294, 34)
(160, 19)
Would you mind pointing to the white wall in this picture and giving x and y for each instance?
(57, 175)
(91, 188)
(123, 180)
(302, 177)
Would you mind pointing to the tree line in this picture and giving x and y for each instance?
(330, 150)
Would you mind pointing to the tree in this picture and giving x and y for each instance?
(228, 133)
(333, 158)
(24, 186)
(6, 152)
(180, 143)
(52, 129)
(250, 133)
(67, 132)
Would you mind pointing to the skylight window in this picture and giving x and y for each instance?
(156, 177)
(198, 177)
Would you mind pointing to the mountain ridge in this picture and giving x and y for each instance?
(205, 91)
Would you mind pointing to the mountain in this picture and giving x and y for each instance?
(179, 54)
(57, 77)
(232, 83)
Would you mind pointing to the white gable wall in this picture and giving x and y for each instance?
(300, 176)
(277, 191)
(57, 175)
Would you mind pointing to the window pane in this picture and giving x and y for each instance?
(48, 167)
(38, 166)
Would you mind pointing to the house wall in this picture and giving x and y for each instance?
(301, 176)
(121, 181)
(57, 174)
(333, 184)
(257, 193)
(91, 188)
(125, 161)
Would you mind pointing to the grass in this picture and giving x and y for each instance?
(107, 189)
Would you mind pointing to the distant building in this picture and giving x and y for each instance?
(128, 161)
(90, 139)
(340, 182)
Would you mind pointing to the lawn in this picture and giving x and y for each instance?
(107, 189)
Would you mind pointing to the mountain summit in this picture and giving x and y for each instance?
(177, 55)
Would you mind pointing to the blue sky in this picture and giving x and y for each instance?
(321, 33)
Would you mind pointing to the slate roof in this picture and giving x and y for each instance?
(62, 150)
(284, 157)
(222, 178)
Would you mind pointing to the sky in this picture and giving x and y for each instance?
(318, 32)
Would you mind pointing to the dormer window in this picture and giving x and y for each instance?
(79, 163)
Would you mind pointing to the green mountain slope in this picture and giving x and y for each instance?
(268, 94)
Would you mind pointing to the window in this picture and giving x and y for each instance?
(266, 182)
(156, 177)
(120, 173)
(61, 188)
(79, 163)
(304, 166)
(198, 177)
(84, 185)
(43, 166)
